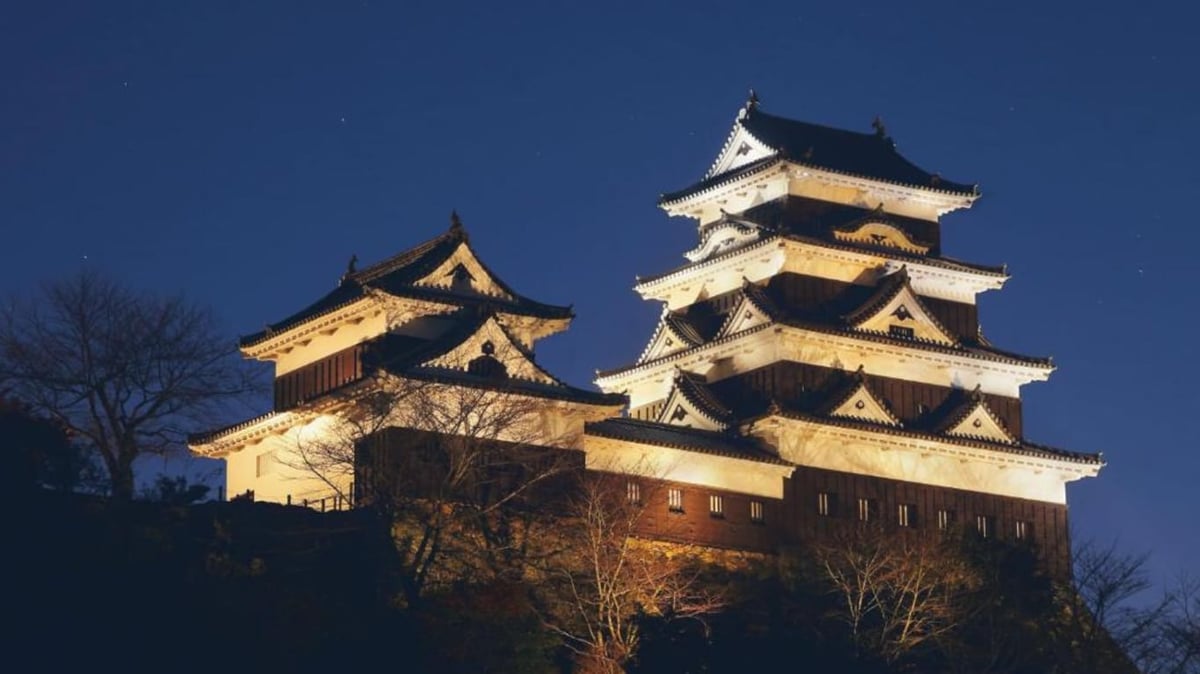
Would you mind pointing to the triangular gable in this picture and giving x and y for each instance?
(689, 406)
(672, 335)
(463, 272)
(491, 339)
(879, 233)
(861, 404)
(723, 236)
(898, 311)
(976, 420)
(740, 148)
(753, 309)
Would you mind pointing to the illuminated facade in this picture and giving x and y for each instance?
(434, 316)
(818, 359)
(817, 322)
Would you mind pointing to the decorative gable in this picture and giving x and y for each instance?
(690, 404)
(861, 404)
(673, 334)
(754, 308)
(979, 422)
(488, 349)
(879, 233)
(462, 272)
(898, 311)
(741, 148)
(975, 420)
(723, 236)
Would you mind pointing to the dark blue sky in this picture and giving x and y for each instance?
(241, 154)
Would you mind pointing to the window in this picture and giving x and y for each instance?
(945, 519)
(264, 464)
(675, 500)
(867, 508)
(906, 515)
(1024, 530)
(633, 492)
(756, 511)
(716, 505)
(825, 501)
(901, 332)
(983, 525)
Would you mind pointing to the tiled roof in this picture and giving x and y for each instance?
(401, 355)
(829, 321)
(696, 391)
(681, 326)
(1024, 448)
(866, 155)
(894, 253)
(680, 437)
(396, 276)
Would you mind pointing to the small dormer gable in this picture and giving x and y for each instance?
(975, 420)
(753, 308)
(487, 349)
(725, 235)
(673, 334)
(877, 231)
(896, 310)
(690, 404)
(860, 403)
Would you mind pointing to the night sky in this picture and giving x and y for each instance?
(242, 154)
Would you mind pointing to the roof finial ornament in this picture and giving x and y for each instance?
(351, 268)
(880, 129)
(456, 227)
(751, 103)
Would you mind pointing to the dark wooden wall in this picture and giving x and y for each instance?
(320, 377)
(734, 529)
(795, 519)
(1047, 522)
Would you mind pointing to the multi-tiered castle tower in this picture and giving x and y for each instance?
(433, 318)
(818, 323)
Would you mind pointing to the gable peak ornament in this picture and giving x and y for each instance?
(880, 129)
(751, 103)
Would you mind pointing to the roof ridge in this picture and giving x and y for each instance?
(695, 388)
(403, 258)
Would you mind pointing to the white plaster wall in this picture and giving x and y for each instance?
(921, 461)
(283, 478)
(709, 470)
(329, 342)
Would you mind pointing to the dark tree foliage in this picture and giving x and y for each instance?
(38, 453)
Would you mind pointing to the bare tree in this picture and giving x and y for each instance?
(607, 577)
(458, 469)
(127, 372)
(1180, 630)
(1110, 615)
(897, 591)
